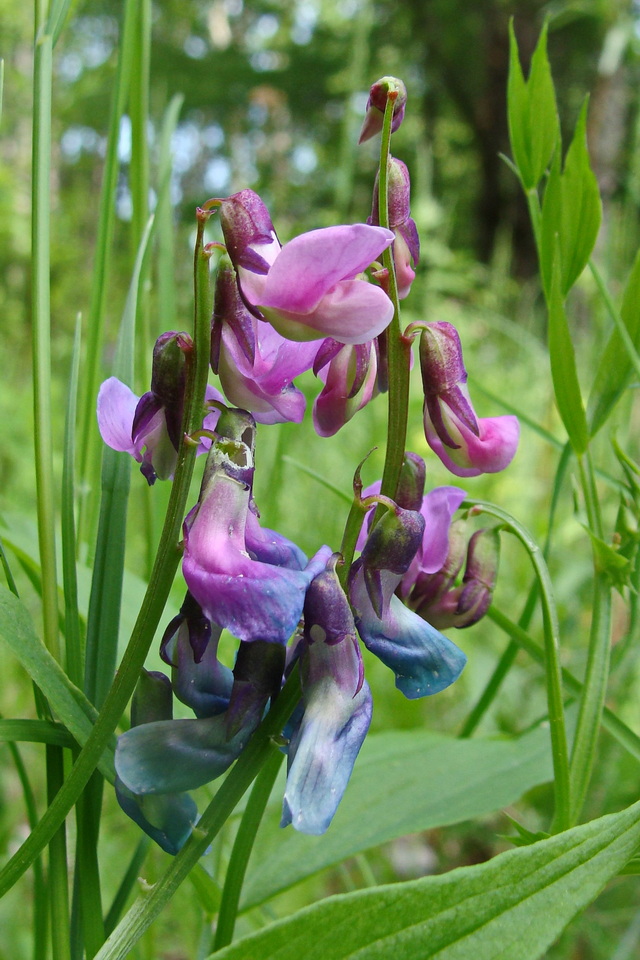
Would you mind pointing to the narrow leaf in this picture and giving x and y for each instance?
(511, 908)
(563, 367)
(532, 112)
(70, 705)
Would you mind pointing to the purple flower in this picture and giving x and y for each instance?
(378, 95)
(255, 364)
(467, 445)
(190, 646)
(435, 595)
(350, 382)
(336, 708)
(148, 427)
(248, 580)
(423, 660)
(406, 246)
(308, 289)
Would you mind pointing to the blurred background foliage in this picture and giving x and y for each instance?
(273, 94)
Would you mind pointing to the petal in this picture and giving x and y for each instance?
(490, 452)
(322, 753)
(168, 819)
(354, 311)
(116, 410)
(310, 265)
(423, 659)
(171, 756)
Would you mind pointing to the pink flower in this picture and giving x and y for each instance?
(310, 288)
(466, 444)
(255, 364)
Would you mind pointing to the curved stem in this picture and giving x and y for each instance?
(242, 847)
(553, 673)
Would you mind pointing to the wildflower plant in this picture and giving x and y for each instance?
(409, 560)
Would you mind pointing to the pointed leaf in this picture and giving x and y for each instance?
(511, 908)
(532, 112)
(563, 367)
(430, 780)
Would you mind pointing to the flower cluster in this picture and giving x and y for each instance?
(324, 303)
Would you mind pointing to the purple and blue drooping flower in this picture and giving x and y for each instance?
(249, 580)
(336, 708)
(423, 660)
(311, 287)
(466, 444)
(167, 818)
(149, 427)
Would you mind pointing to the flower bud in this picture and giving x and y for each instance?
(480, 576)
(467, 445)
(377, 102)
(248, 232)
(406, 246)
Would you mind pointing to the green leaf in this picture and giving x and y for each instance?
(615, 368)
(511, 908)
(69, 703)
(429, 780)
(532, 112)
(35, 731)
(571, 211)
(563, 367)
(610, 561)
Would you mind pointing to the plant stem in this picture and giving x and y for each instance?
(240, 778)
(553, 673)
(398, 348)
(155, 596)
(243, 845)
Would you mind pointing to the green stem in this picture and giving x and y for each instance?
(240, 778)
(40, 892)
(398, 348)
(41, 324)
(553, 674)
(350, 538)
(242, 847)
(488, 695)
(592, 702)
(614, 314)
(58, 876)
(627, 739)
(155, 596)
(126, 884)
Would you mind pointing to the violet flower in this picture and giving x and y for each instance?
(406, 245)
(467, 445)
(336, 708)
(248, 580)
(423, 660)
(149, 427)
(350, 382)
(190, 646)
(255, 364)
(310, 288)
(435, 595)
